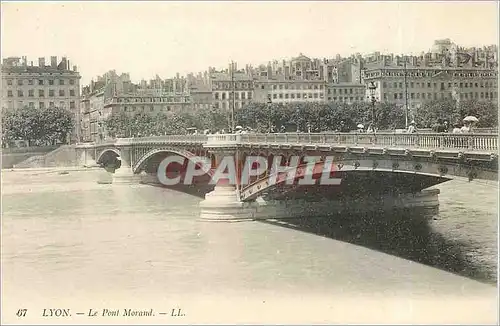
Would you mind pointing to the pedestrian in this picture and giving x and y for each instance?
(411, 128)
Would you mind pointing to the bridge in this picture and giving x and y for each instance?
(383, 169)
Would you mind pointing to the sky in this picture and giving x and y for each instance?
(149, 38)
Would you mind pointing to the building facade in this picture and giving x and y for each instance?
(449, 72)
(115, 94)
(231, 87)
(41, 86)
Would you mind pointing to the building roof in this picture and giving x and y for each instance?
(224, 76)
(301, 57)
(35, 69)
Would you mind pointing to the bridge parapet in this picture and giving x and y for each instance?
(474, 142)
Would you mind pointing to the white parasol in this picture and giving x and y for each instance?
(238, 127)
(470, 118)
(360, 126)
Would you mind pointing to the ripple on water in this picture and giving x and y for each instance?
(148, 239)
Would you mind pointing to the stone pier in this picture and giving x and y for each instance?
(124, 174)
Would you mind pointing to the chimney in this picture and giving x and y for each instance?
(53, 61)
(64, 63)
(74, 68)
(31, 63)
(67, 67)
(25, 61)
(425, 61)
(41, 62)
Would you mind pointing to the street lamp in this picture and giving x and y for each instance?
(269, 103)
(372, 87)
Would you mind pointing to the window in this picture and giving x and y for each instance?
(224, 95)
(9, 82)
(41, 93)
(249, 95)
(275, 96)
(40, 82)
(20, 82)
(395, 85)
(9, 93)
(51, 93)
(292, 95)
(51, 104)
(216, 95)
(61, 105)
(71, 81)
(281, 86)
(395, 96)
(242, 95)
(20, 93)
(51, 82)
(61, 81)
(30, 82)
(61, 92)
(41, 105)
(281, 95)
(72, 105)
(423, 96)
(31, 93)
(31, 105)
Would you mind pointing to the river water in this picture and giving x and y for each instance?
(69, 242)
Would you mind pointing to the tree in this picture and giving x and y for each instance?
(55, 124)
(486, 112)
(38, 127)
(117, 125)
(433, 112)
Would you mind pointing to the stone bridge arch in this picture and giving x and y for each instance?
(107, 153)
(143, 160)
(425, 173)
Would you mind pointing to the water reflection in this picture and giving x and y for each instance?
(405, 233)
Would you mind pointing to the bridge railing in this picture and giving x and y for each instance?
(478, 142)
(482, 142)
(171, 138)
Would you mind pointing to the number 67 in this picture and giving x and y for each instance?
(21, 313)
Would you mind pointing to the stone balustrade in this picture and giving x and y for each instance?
(486, 142)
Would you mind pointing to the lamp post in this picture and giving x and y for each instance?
(372, 87)
(233, 84)
(269, 103)
(406, 93)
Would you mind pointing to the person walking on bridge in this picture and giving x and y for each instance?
(411, 128)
